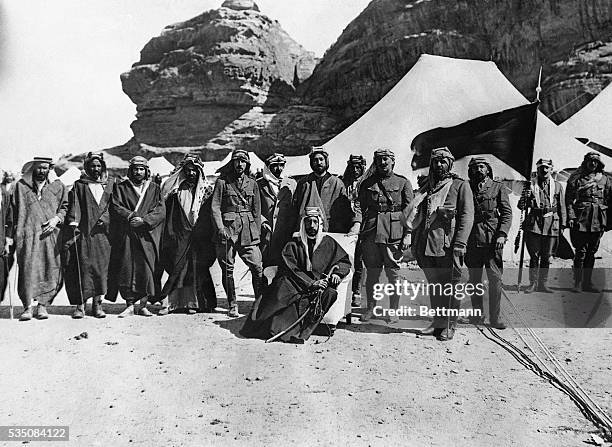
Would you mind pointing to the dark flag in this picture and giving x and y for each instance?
(508, 135)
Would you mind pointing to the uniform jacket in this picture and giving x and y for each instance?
(443, 231)
(548, 218)
(492, 213)
(336, 204)
(381, 216)
(589, 201)
(237, 208)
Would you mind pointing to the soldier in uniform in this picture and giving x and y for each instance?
(492, 220)
(544, 223)
(589, 200)
(236, 215)
(276, 192)
(355, 168)
(384, 197)
(442, 222)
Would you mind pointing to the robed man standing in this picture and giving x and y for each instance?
(137, 215)
(184, 194)
(326, 191)
(276, 193)
(313, 265)
(87, 229)
(38, 208)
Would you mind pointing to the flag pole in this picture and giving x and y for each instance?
(525, 196)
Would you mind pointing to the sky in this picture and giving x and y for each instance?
(60, 63)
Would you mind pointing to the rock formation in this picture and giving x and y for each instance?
(215, 81)
(232, 77)
(383, 43)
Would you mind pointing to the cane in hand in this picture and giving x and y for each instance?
(299, 320)
(8, 284)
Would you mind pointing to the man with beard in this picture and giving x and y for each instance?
(276, 194)
(236, 213)
(327, 192)
(313, 265)
(492, 220)
(543, 225)
(444, 214)
(38, 208)
(137, 214)
(589, 200)
(88, 247)
(355, 167)
(185, 192)
(384, 197)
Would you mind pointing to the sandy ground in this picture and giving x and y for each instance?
(186, 380)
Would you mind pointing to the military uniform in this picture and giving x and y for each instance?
(236, 208)
(492, 219)
(544, 223)
(441, 227)
(588, 199)
(382, 202)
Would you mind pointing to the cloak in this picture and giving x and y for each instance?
(287, 297)
(134, 266)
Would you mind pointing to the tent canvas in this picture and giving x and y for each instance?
(297, 165)
(442, 92)
(70, 176)
(593, 120)
(161, 166)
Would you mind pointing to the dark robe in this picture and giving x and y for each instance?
(86, 276)
(187, 252)
(287, 297)
(38, 256)
(5, 259)
(134, 267)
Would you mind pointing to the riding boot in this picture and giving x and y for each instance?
(578, 276)
(533, 276)
(587, 275)
(543, 282)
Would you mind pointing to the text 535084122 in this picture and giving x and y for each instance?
(34, 433)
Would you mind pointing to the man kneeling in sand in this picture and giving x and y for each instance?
(312, 266)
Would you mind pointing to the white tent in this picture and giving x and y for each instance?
(443, 92)
(161, 166)
(593, 120)
(297, 165)
(70, 176)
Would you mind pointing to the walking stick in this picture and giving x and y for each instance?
(299, 320)
(8, 285)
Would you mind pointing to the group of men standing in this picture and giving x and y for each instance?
(108, 236)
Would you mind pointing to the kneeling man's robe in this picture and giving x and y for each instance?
(288, 296)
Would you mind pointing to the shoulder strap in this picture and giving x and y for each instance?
(385, 192)
(238, 193)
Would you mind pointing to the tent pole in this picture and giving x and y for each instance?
(521, 234)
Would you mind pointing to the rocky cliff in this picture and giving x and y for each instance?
(215, 81)
(232, 77)
(383, 43)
